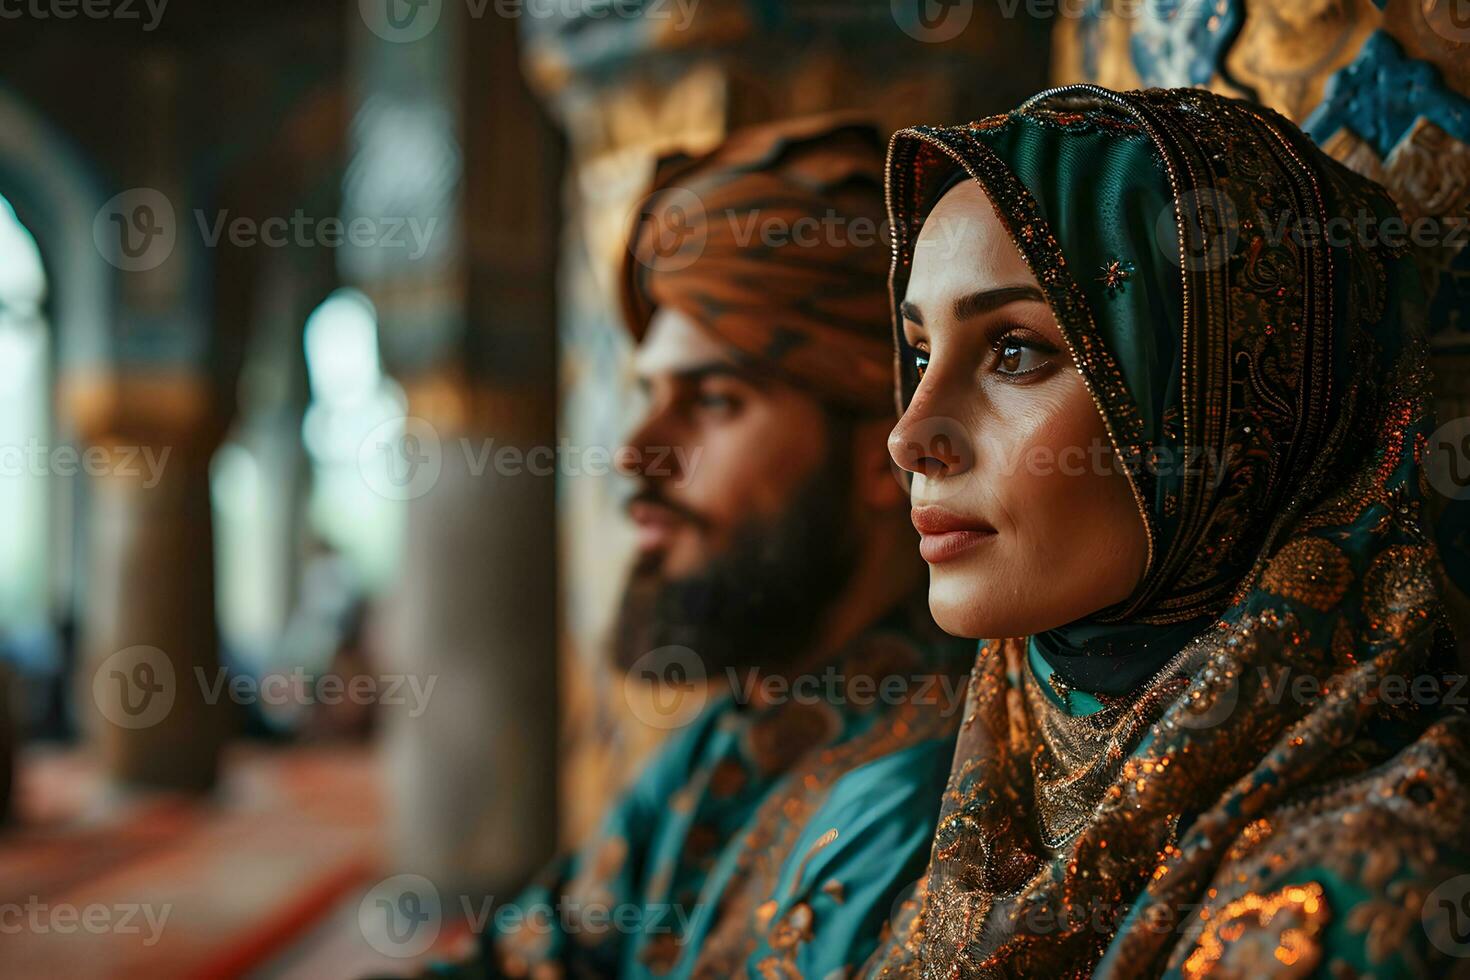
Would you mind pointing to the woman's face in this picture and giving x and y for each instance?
(1027, 523)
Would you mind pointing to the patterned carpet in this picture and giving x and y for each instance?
(93, 884)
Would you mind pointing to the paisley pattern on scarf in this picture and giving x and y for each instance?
(1288, 794)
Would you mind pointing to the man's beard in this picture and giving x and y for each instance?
(760, 602)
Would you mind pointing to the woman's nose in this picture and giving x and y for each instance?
(930, 445)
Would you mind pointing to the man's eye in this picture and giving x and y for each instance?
(714, 401)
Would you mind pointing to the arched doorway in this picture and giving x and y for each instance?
(27, 459)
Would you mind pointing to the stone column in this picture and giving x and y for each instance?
(144, 410)
(467, 329)
(149, 650)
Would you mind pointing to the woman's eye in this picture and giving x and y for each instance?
(921, 363)
(1016, 357)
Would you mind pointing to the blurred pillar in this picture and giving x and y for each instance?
(1382, 85)
(149, 647)
(473, 775)
(147, 418)
(446, 134)
(679, 77)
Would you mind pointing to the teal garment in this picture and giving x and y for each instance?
(1267, 770)
(764, 839)
(1112, 659)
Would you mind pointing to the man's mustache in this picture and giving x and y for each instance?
(650, 495)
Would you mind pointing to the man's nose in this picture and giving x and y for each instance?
(648, 451)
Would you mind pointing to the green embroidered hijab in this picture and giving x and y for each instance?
(1256, 356)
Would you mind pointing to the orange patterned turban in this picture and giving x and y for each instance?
(777, 242)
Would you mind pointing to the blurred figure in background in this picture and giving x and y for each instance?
(775, 559)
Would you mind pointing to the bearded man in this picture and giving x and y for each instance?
(772, 834)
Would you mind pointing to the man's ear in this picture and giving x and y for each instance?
(877, 481)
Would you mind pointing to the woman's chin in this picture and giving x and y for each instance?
(960, 607)
(980, 607)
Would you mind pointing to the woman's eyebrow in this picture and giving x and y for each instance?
(985, 300)
(911, 313)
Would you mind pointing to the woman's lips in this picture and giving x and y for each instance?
(936, 548)
(945, 534)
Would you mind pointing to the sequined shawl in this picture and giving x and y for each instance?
(1271, 801)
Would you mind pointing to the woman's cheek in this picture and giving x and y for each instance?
(1052, 442)
(1058, 484)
